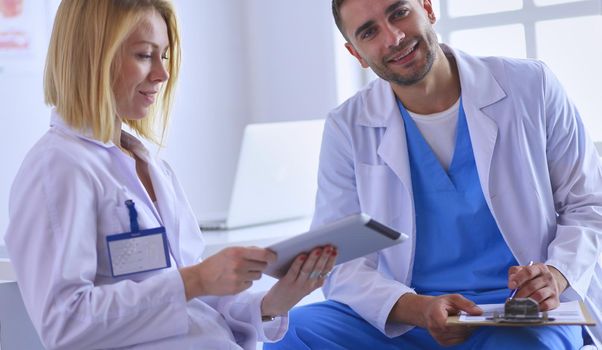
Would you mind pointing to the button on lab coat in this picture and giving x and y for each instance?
(67, 197)
(538, 170)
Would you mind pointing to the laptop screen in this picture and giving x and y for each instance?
(276, 175)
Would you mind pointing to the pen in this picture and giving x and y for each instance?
(513, 293)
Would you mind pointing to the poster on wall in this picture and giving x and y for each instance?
(23, 35)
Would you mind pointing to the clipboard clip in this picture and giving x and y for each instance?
(521, 310)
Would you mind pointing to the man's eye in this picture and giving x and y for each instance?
(368, 33)
(399, 13)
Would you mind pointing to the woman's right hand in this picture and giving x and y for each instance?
(230, 271)
(306, 274)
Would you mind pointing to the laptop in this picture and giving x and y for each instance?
(276, 175)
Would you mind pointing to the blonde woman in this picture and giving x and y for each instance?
(106, 249)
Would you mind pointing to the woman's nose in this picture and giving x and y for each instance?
(159, 72)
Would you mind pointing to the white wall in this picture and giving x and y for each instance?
(211, 103)
(243, 61)
(291, 59)
(23, 115)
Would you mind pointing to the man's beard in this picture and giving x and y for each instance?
(416, 76)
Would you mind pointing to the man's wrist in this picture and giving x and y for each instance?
(561, 282)
(410, 309)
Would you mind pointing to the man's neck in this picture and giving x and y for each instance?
(438, 91)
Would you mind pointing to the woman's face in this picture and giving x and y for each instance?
(141, 71)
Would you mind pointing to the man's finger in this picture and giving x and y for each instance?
(462, 304)
(525, 274)
(531, 286)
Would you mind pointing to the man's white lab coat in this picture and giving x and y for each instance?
(538, 169)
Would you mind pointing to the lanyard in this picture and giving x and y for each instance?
(133, 215)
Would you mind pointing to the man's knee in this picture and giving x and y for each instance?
(308, 325)
(557, 337)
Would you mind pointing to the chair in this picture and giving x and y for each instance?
(16, 329)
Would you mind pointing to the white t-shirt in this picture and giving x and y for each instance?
(439, 131)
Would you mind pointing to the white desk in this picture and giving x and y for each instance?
(260, 235)
(6, 270)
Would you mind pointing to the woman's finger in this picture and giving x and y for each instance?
(320, 267)
(309, 265)
(293, 272)
(330, 261)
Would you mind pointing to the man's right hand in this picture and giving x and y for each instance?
(432, 312)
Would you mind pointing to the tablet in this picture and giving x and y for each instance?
(353, 236)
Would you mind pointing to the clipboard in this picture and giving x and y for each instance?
(353, 236)
(576, 306)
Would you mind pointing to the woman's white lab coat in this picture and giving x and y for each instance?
(538, 169)
(67, 197)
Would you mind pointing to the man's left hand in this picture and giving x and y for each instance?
(540, 282)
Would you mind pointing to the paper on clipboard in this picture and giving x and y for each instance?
(567, 313)
(353, 236)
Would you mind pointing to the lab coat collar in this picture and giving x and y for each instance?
(57, 121)
(128, 140)
(381, 104)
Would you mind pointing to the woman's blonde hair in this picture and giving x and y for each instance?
(84, 54)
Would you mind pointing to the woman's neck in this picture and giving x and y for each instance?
(117, 133)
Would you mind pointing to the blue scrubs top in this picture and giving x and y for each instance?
(459, 248)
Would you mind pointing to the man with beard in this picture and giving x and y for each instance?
(484, 162)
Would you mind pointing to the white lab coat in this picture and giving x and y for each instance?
(67, 197)
(538, 169)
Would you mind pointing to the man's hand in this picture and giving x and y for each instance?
(542, 283)
(432, 312)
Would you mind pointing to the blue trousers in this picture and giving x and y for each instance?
(331, 325)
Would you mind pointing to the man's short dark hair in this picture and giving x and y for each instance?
(336, 13)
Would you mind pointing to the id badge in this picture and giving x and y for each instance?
(138, 250)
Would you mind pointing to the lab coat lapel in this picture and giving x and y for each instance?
(393, 149)
(167, 206)
(480, 90)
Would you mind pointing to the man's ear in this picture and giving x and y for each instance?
(428, 7)
(355, 54)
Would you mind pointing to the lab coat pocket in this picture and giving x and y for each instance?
(113, 214)
(380, 192)
(112, 218)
